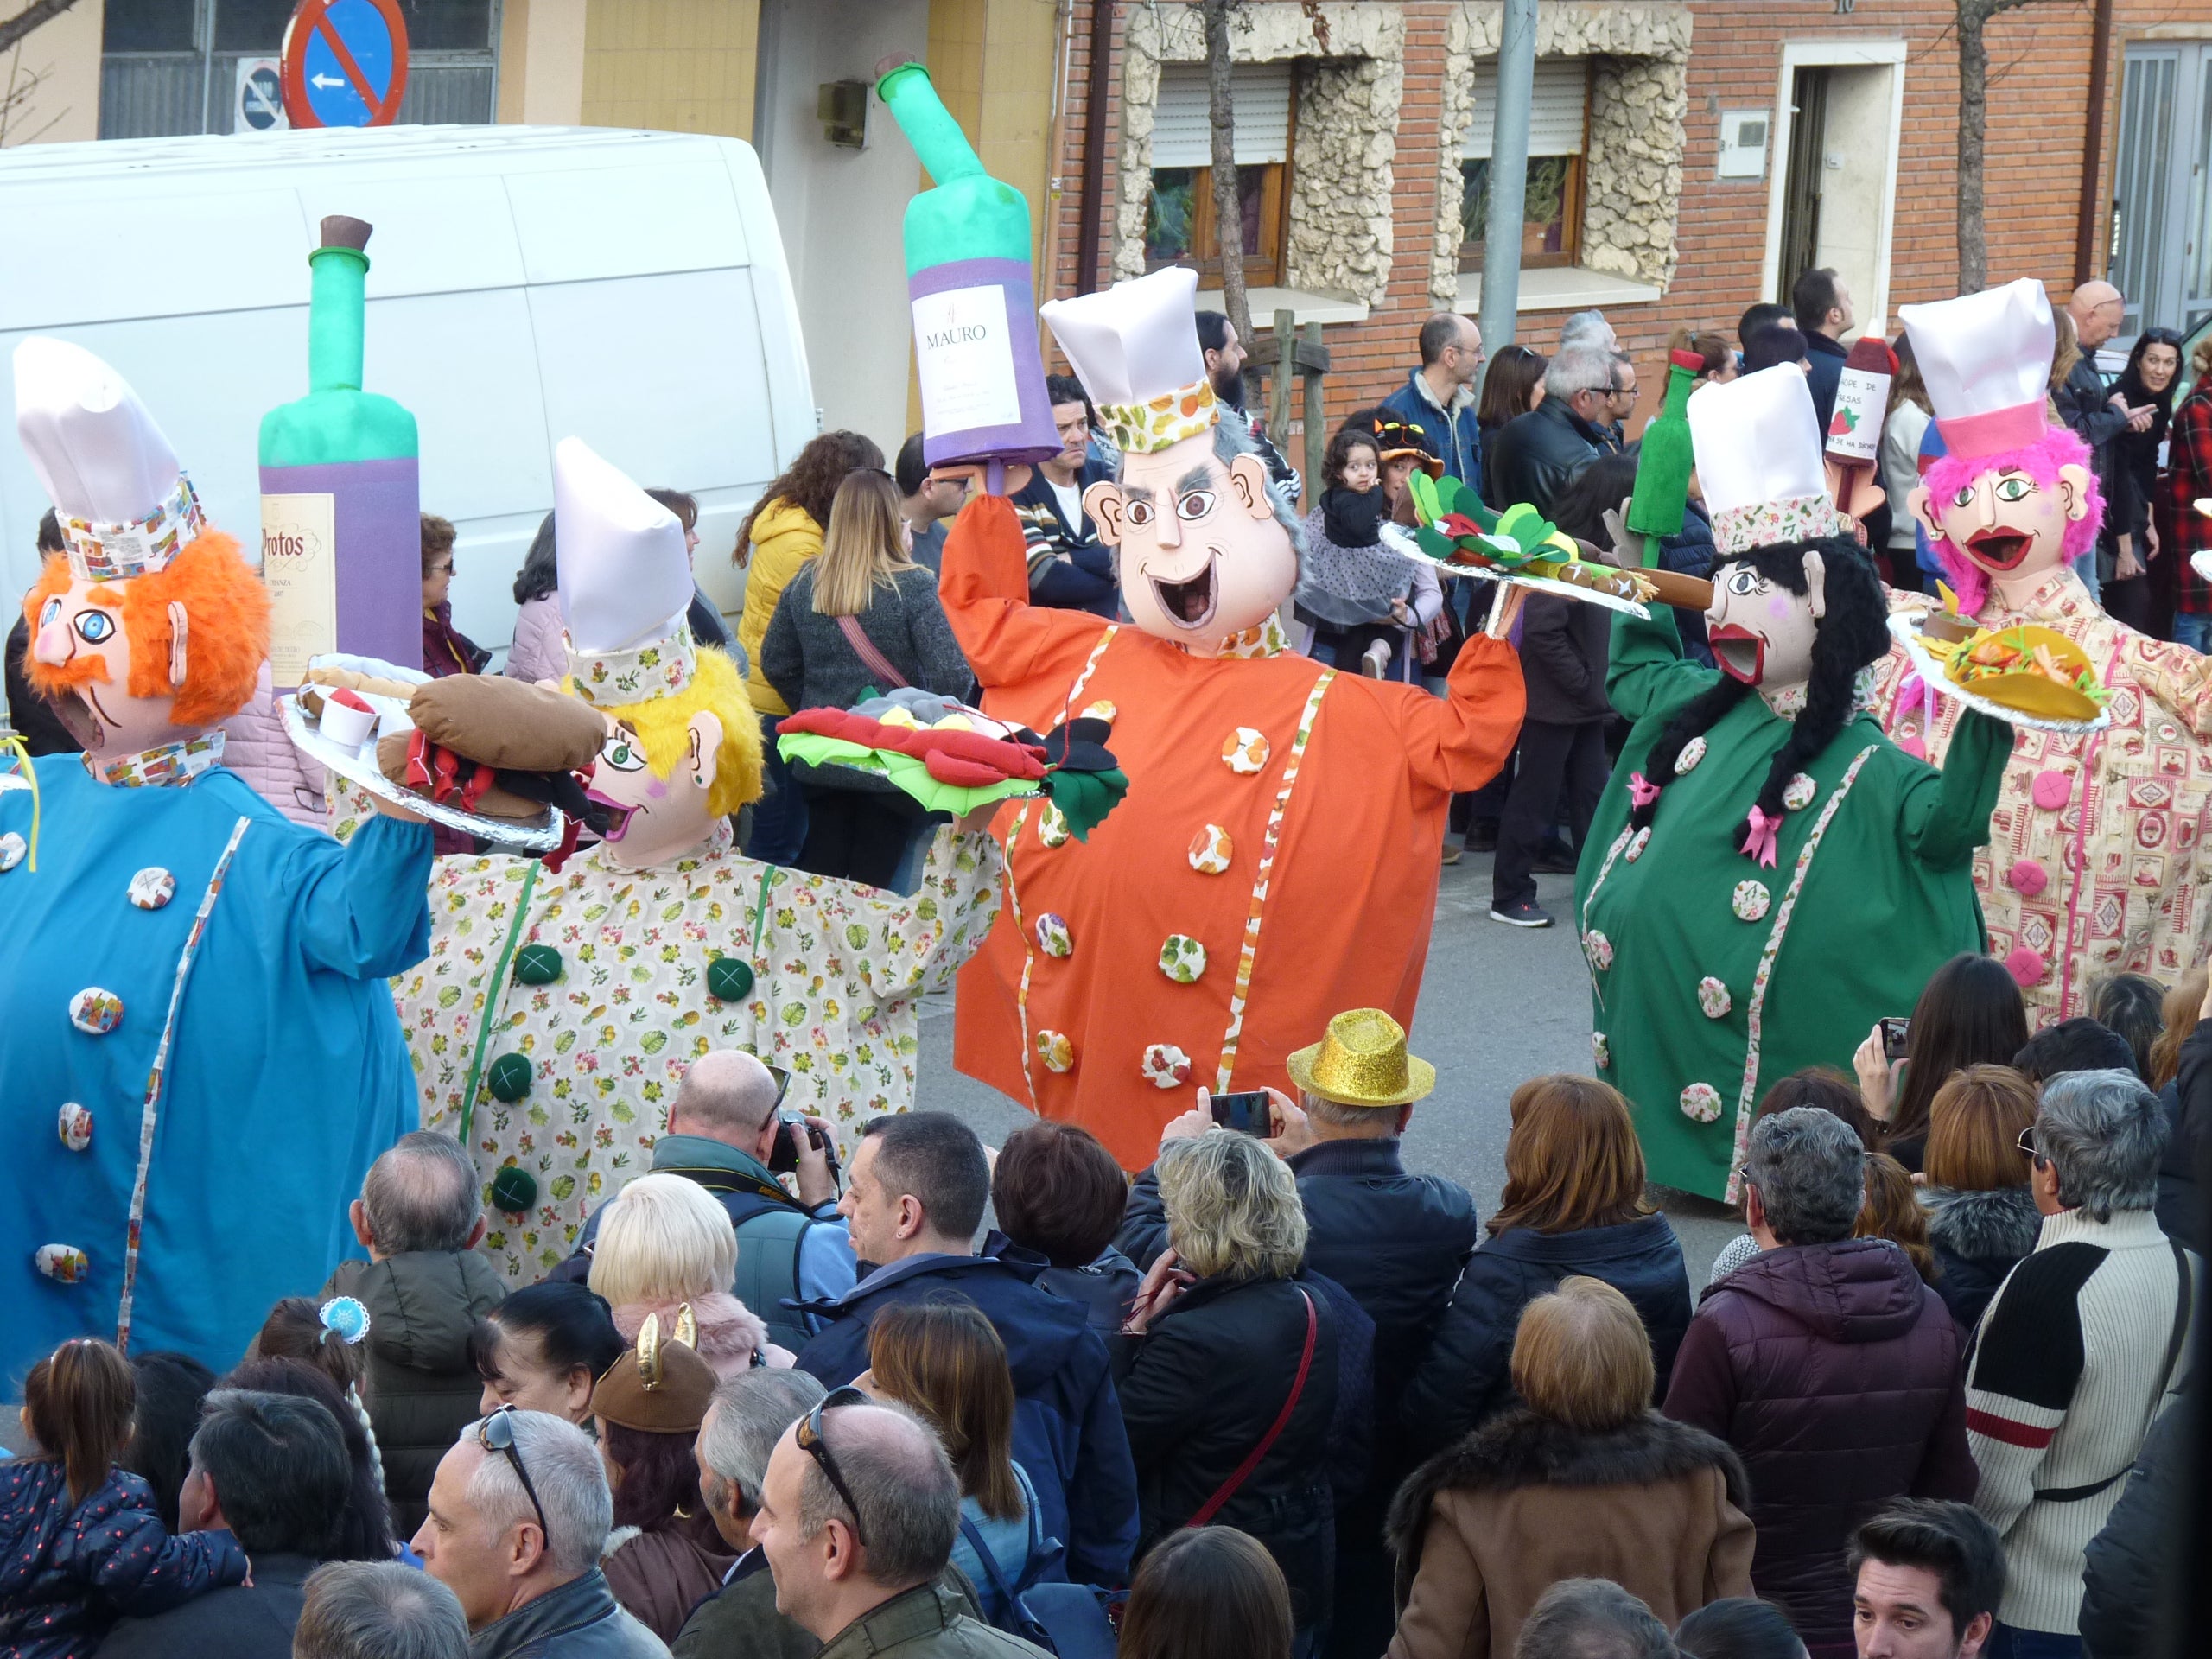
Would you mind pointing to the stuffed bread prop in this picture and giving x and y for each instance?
(498, 747)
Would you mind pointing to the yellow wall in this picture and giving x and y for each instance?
(677, 66)
(542, 61)
(50, 80)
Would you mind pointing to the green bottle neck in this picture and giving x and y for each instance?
(337, 313)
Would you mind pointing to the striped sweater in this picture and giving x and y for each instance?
(2065, 1367)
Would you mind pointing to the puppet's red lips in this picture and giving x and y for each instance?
(618, 815)
(2000, 549)
(1741, 653)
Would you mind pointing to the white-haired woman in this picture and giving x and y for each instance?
(1226, 1354)
(666, 1241)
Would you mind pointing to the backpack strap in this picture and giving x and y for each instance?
(1228, 1488)
(872, 659)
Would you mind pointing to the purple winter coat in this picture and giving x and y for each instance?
(67, 1574)
(1837, 1375)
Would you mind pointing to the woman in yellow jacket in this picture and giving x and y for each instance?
(781, 534)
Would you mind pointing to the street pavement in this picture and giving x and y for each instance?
(1498, 1005)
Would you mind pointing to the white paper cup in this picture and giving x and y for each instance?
(349, 727)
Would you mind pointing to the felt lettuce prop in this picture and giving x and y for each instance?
(1457, 529)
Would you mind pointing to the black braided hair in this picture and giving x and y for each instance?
(1853, 633)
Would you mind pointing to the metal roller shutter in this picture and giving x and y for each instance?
(1555, 109)
(1182, 125)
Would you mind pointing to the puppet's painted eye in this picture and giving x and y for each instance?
(1139, 512)
(1743, 581)
(94, 626)
(1196, 504)
(1964, 498)
(621, 754)
(52, 609)
(2015, 488)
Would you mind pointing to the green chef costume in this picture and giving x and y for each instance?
(1768, 875)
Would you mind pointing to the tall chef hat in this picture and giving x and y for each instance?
(124, 506)
(626, 582)
(1135, 349)
(1985, 359)
(1758, 444)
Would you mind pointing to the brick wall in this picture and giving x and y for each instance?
(2039, 68)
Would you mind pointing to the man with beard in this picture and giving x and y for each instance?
(1223, 355)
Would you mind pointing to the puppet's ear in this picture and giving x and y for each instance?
(2073, 482)
(704, 737)
(1107, 506)
(1817, 583)
(179, 623)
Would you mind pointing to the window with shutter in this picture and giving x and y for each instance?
(1552, 209)
(1179, 224)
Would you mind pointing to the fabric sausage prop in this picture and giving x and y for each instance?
(498, 747)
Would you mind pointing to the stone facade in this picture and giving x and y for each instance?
(1349, 78)
(1632, 166)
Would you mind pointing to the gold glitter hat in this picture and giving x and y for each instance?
(1362, 1062)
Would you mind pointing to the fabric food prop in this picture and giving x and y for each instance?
(2025, 673)
(953, 758)
(1518, 545)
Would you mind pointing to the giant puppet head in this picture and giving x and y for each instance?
(1798, 609)
(683, 748)
(150, 627)
(2013, 497)
(1206, 549)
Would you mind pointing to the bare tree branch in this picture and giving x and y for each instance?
(39, 11)
(1227, 199)
(1970, 18)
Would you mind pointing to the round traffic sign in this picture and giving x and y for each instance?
(261, 99)
(344, 63)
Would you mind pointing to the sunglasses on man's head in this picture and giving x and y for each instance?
(497, 1433)
(809, 1434)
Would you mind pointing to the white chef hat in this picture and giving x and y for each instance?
(1758, 444)
(1986, 359)
(625, 582)
(1135, 349)
(124, 506)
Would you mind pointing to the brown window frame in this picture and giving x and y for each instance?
(1263, 268)
(1470, 252)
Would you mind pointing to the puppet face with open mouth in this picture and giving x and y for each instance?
(1740, 653)
(1760, 632)
(1190, 603)
(621, 787)
(2006, 523)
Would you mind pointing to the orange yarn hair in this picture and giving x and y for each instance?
(225, 642)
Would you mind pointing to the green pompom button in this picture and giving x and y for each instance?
(514, 1190)
(509, 1077)
(537, 964)
(728, 980)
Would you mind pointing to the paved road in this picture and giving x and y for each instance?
(1498, 1005)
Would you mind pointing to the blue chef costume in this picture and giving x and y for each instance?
(287, 1074)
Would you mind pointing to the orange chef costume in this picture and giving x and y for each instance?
(1275, 861)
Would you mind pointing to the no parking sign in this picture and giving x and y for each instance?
(344, 63)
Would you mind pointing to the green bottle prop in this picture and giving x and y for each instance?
(341, 536)
(1663, 461)
(973, 296)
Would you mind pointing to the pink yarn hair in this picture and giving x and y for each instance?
(2041, 461)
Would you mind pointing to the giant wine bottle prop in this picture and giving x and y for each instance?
(968, 276)
(1665, 460)
(341, 534)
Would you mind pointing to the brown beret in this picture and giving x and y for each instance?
(660, 1387)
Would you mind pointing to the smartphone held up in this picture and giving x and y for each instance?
(1246, 1111)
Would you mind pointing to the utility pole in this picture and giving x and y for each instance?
(1508, 175)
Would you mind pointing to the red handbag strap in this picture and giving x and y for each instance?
(872, 659)
(1212, 1507)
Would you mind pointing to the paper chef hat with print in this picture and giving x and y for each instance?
(124, 506)
(1758, 444)
(1135, 349)
(1985, 359)
(626, 582)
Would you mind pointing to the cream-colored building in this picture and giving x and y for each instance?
(753, 69)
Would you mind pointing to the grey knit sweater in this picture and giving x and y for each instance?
(807, 659)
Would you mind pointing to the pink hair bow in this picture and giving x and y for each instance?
(1759, 843)
(1641, 793)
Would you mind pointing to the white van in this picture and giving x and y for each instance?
(525, 284)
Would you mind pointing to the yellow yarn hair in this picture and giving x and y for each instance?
(716, 689)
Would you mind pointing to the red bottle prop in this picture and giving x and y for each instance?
(1854, 436)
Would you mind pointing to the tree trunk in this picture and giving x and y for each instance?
(1228, 200)
(14, 29)
(1973, 111)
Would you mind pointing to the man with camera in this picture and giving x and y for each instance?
(726, 1132)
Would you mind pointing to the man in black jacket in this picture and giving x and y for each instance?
(272, 1469)
(1395, 1241)
(1538, 452)
(2097, 415)
(1821, 306)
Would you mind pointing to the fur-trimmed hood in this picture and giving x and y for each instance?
(2002, 1225)
(730, 1333)
(1521, 1449)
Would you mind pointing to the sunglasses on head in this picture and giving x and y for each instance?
(809, 1433)
(497, 1433)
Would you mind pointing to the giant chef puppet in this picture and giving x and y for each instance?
(198, 1046)
(2096, 861)
(1276, 859)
